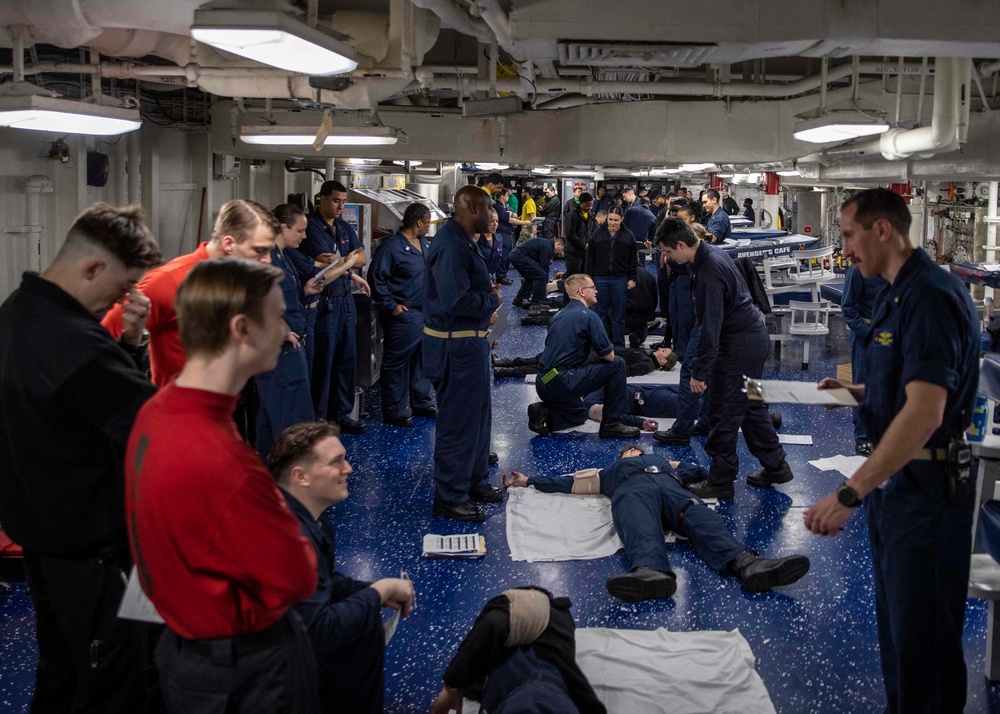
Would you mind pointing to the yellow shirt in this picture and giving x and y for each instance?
(528, 210)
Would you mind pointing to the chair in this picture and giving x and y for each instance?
(809, 268)
(808, 320)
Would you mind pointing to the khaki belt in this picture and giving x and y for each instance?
(931, 455)
(457, 333)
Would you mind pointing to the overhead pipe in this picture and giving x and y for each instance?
(499, 22)
(587, 86)
(456, 18)
(75, 24)
(950, 91)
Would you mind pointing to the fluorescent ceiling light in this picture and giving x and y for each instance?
(306, 135)
(792, 172)
(491, 166)
(274, 38)
(413, 164)
(65, 116)
(724, 175)
(541, 170)
(695, 167)
(838, 126)
(577, 173)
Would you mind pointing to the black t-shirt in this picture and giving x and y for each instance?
(68, 397)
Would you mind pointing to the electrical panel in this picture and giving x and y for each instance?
(226, 167)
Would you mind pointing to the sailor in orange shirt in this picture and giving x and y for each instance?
(244, 229)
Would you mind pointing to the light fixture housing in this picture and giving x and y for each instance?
(491, 166)
(541, 170)
(789, 172)
(30, 108)
(695, 168)
(274, 38)
(839, 126)
(306, 135)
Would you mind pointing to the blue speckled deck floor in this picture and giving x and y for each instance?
(814, 641)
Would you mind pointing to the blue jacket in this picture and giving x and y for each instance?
(457, 294)
(396, 273)
(621, 471)
(925, 329)
(341, 610)
(718, 225)
(505, 229)
(722, 304)
(539, 250)
(339, 238)
(858, 301)
(641, 221)
(574, 332)
(291, 288)
(492, 255)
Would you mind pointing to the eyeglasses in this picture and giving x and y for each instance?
(588, 287)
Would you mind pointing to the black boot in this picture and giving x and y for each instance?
(539, 419)
(760, 574)
(615, 429)
(766, 479)
(505, 372)
(642, 584)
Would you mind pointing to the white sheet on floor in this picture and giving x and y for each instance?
(544, 527)
(559, 526)
(846, 465)
(657, 377)
(796, 439)
(653, 671)
(661, 671)
(592, 427)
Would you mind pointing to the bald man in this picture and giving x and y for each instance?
(458, 302)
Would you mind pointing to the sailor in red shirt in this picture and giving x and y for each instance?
(217, 550)
(244, 229)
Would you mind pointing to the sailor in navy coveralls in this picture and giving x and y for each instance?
(458, 303)
(922, 360)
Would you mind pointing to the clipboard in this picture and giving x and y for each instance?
(324, 271)
(499, 327)
(777, 391)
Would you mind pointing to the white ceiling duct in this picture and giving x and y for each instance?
(75, 24)
(368, 32)
(951, 75)
(456, 18)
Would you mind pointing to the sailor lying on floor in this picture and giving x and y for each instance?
(647, 495)
(519, 658)
(644, 401)
(638, 361)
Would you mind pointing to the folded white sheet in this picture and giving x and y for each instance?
(658, 377)
(592, 427)
(657, 671)
(661, 671)
(559, 526)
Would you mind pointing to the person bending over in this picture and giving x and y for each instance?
(344, 616)
(648, 494)
(531, 259)
(566, 375)
(519, 658)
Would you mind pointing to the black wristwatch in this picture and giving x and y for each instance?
(847, 496)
